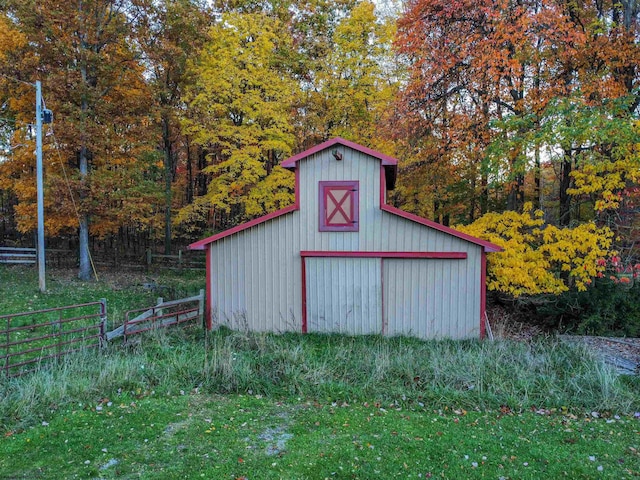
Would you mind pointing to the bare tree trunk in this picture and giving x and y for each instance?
(84, 272)
(537, 179)
(484, 194)
(515, 197)
(168, 154)
(190, 187)
(564, 214)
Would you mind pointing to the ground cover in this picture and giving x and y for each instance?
(198, 435)
(185, 404)
(123, 290)
(40, 332)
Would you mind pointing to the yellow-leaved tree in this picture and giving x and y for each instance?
(537, 257)
(352, 93)
(240, 112)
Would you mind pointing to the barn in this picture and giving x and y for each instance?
(341, 260)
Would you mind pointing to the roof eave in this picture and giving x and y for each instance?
(290, 163)
(202, 244)
(486, 245)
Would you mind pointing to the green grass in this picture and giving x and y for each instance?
(124, 291)
(19, 293)
(200, 435)
(182, 403)
(326, 368)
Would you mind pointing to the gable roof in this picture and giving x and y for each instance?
(201, 244)
(488, 246)
(390, 165)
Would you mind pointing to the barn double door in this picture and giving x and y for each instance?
(344, 295)
(388, 296)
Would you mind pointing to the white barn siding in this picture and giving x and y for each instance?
(256, 277)
(379, 230)
(344, 295)
(353, 166)
(256, 273)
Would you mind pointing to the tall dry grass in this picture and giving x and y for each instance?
(438, 373)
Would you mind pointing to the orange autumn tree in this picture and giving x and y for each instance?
(94, 82)
(471, 63)
(497, 87)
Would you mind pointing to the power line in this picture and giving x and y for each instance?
(17, 80)
(66, 179)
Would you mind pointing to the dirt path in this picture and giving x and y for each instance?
(622, 353)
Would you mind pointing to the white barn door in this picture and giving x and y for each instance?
(426, 298)
(344, 295)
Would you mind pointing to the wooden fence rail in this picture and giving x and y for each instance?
(162, 315)
(69, 258)
(18, 255)
(183, 259)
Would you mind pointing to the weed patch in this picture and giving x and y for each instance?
(325, 368)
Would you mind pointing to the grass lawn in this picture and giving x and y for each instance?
(237, 405)
(124, 291)
(240, 436)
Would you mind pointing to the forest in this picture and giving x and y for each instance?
(513, 120)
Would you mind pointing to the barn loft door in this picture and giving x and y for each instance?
(338, 203)
(344, 295)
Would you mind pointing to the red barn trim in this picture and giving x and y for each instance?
(488, 246)
(382, 316)
(448, 255)
(386, 159)
(483, 294)
(304, 295)
(200, 245)
(208, 307)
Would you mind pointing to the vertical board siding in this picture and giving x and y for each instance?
(426, 298)
(344, 295)
(254, 277)
(256, 273)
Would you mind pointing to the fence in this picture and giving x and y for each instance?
(188, 259)
(69, 258)
(18, 255)
(162, 315)
(28, 256)
(31, 337)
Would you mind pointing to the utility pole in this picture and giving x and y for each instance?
(40, 186)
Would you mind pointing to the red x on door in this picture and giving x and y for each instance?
(338, 206)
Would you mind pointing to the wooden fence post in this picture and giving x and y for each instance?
(103, 322)
(201, 308)
(159, 312)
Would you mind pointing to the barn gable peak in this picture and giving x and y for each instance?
(389, 163)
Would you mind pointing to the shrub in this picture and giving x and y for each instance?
(606, 308)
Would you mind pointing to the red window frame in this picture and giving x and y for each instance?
(340, 218)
